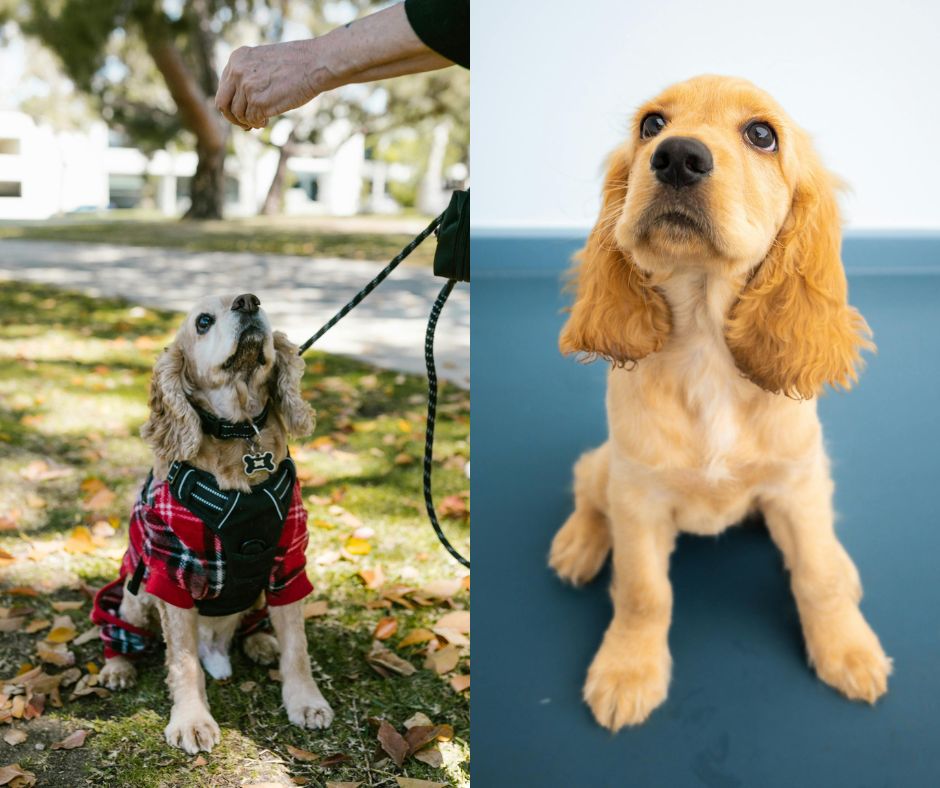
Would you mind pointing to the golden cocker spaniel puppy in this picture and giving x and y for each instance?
(712, 282)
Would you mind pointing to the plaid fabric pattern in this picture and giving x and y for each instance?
(184, 562)
(120, 637)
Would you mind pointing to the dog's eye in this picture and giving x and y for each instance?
(761, 135)
(652, 124)
(204, 323)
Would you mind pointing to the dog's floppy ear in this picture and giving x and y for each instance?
(173, 430)
(792, 330)
(616, 313)
(297, 415)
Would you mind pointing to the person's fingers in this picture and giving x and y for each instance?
(239, 104)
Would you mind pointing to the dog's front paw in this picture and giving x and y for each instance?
(854, 664)
(307, 707)
(192, 730)
(628, 678)
(262, 648)
(117, 674)
(580, 547)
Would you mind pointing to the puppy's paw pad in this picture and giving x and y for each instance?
(580, 548)
(312, 711)
(624, 691)
(117, 674)
(859, 672)
(193, 732)
(262, 648)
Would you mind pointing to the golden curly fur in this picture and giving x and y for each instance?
(723, 308)
(232, 369)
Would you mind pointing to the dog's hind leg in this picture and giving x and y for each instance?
(119, 672)
(215, 638)
(580, 547)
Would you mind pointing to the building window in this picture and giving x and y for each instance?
(125, 191)
(11, 189)
(308, 182)
(9, 146)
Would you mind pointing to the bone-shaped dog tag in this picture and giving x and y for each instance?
(258, 462)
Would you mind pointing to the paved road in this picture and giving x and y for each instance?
(298, 293)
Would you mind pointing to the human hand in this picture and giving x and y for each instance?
(262, 82)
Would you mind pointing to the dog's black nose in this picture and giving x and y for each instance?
(681, 161)
(247, 303)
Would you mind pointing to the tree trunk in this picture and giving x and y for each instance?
(198, 115)
(274, 201)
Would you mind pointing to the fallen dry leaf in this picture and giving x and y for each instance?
(317, 608)
(60, 635)
(356, 546)
(36, 625)
(21, 591)
(335, 759)
(12, 624)
(13, 775)
(200, 761)
(420, 736)
(302, 755)
(61, 607)
(70, 742)
(458, 620)
(452, 636)
(442, 589)
(418, 718)
(393, 743)
(80, 541)
(416, 636)
(89, 634)
(346, 784)
(383, 660)
(15, 736)
(55, 654)
(431, 756)
(6, 555)
(443, 660)
(99, 501)
(455, 507)
(411, 782)
(460, 683)
(372, 578)
(385, 628)
(88, 685)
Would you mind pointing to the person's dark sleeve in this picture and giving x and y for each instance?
(444, 25)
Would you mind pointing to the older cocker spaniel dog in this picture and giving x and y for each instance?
(218, 534)
(712, 282)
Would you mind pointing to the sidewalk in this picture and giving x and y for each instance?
(298, 293)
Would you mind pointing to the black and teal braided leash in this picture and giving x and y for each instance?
(429, 361)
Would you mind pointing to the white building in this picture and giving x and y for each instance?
(44, 173)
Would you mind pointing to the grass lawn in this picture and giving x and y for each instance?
(355, 238)
(73, 391)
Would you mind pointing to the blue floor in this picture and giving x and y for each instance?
(744, 709)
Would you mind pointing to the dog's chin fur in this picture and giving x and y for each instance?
(721, 329)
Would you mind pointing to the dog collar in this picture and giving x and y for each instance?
(225, 430)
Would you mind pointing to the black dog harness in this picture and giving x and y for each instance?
(249, 526)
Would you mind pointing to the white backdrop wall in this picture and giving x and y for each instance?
(555, 81)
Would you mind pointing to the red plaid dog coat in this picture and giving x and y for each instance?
(179, 556)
